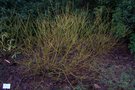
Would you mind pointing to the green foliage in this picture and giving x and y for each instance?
(121, 80)
(33, 7)
(123, 17)
(132, 43)
(127, 8)
(108, 3)
(7, 44)
(127, 81)
(118, 23)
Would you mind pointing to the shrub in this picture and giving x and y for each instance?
(67, 45)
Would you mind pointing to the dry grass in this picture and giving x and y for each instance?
(68, 44)
(62, 46)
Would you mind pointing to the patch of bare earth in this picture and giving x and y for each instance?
(116, 61)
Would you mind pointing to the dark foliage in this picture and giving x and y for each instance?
(121, 12)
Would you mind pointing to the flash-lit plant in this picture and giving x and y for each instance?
(8, 46)
(6, 43)
(67, 44)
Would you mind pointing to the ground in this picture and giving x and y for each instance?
(114, 66)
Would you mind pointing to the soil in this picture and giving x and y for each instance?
(119, 58)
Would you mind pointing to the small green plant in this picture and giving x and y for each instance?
(123, 79)
(7, 45)
(127, 81)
